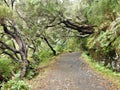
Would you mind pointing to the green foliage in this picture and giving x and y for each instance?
(5, 11)
(39, 60)
(36, 58)
(116, 45)
(104, 40)
(103, 45)
(6, 67)
(15, 84)
(100, 11)
(45, 54)
(76, 44)
(34, 64)
(59, 48)
(71, 44)
(60, 45)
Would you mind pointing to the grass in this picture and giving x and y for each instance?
(103, 71)
(6, 67)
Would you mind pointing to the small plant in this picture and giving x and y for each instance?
(45, 54)
(6, 67)
(15, 84)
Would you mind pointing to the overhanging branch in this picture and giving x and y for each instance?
(8, 47)
(85, 29)
(10, 55)
(82, 36)
(6, 3)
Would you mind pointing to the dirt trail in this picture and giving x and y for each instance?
(72, 73)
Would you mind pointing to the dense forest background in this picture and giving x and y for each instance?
(32, 31)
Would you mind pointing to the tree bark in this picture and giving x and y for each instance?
(22, 48)
(54, 52)
(85, 29)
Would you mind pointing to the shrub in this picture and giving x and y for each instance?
(45, 54)
(6, 67)
(31, 71)
(15, 84)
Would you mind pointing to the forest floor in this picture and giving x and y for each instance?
(70, 72)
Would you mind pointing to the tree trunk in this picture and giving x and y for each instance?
(24, 66)
(54, 52)
(85, 29)
(22, 48)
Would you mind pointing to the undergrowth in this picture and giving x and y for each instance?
(15, 84)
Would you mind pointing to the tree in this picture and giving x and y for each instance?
(18, 49)
(25, 22)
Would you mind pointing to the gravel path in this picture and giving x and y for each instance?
(72, 73)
